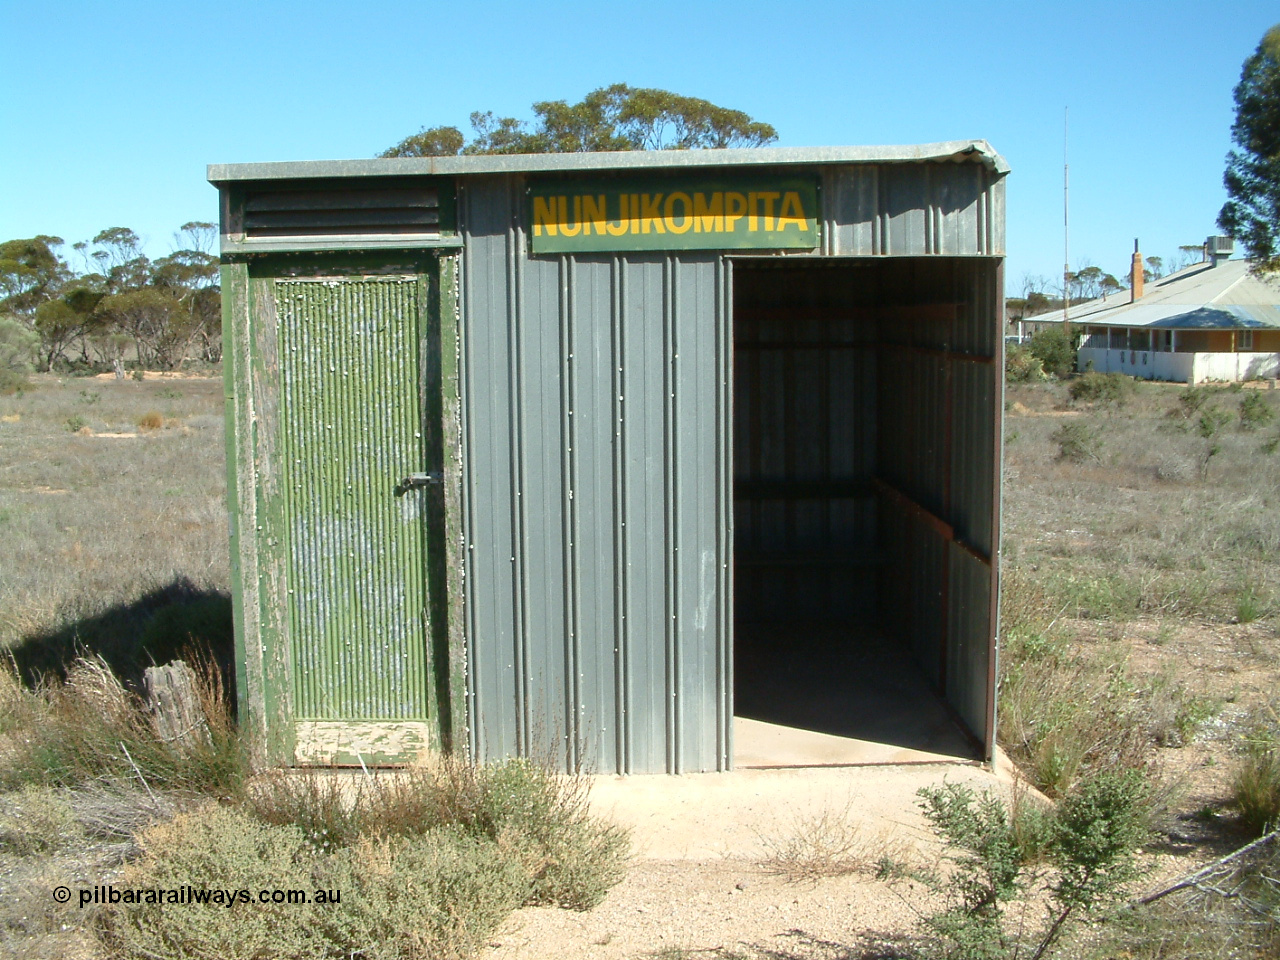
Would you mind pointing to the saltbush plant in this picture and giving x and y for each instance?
(540, 818)
(35, 820)
(425, 863)
(1254, 411)
(438, 894)
(1105, 389)
(441, 894)
(1076, 442)
(217, 849)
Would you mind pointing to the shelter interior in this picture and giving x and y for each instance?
(866, 411)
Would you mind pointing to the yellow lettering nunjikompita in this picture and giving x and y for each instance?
(568, 217)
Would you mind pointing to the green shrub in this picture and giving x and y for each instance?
(1112, 389)
(1090, 842)
(1022, 366)
(1076, 442)
(438, 894)
(574, 858)
(1055, 351)
(1210, 424)
(1254, 411)
(1191, 401)
(76, 423)
(1250, 604)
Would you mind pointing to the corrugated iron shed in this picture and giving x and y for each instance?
(589, 419)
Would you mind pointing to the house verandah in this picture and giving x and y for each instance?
(1184, 355)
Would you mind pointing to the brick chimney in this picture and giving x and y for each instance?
(1135, 275)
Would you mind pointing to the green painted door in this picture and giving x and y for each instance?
(354, 382)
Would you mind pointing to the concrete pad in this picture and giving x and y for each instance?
(855, 687)
(710, 815)
(771, 745)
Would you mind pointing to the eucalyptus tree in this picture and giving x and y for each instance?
(617, 117)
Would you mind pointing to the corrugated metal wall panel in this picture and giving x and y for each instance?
(939, 397)
(494, 611)
(939, 209)
(695, 441)
(593, 455)
(805, 401)
(969, 651)
(975, 497)
(596, 406)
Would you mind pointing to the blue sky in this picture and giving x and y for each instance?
(113, 110)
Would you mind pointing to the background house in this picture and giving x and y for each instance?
(1210, 321)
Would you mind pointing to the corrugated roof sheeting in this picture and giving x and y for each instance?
(594, 445)
(951, 152)
(1160, 316)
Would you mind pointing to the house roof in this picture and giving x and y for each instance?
(1199, 297)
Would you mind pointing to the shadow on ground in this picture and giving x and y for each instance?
(176, 620)
(800, 945)
(844, 682)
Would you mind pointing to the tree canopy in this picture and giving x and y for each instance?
(617, 117)
(121, 299)
(1252, 212)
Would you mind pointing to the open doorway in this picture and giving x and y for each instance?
(866, 410)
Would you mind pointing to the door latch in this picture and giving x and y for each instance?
(416, 480)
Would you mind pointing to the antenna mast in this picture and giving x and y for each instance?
(1066, 230)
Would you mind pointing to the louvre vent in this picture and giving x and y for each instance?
(343, 210)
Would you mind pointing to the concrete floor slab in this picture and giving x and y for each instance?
(856, 692)
(757, 744)
(709, 815)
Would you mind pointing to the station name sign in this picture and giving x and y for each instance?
(759, 213)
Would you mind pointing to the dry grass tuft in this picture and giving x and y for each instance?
(831, 844)
(88, 730)
(151, 420)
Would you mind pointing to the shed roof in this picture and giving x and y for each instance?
(954, 151)
(1226, 297)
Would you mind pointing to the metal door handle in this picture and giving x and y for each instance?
(415, 480)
